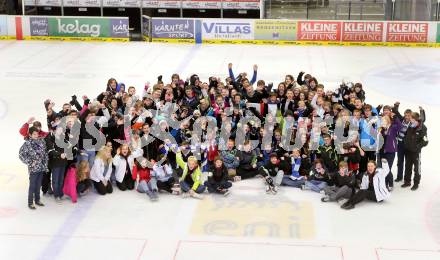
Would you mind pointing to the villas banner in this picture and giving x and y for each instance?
(79, 27)
(362, 31)
(230, 29)
(407, 32)
(319, 31)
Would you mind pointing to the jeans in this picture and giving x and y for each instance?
(87, 156)
(58, 181)
(213, 187)
(185, 187)
(315, 185)
(336, 193)
(147, 187)
(287, 181)
(389, 181)
(35, 180)
(400, 159)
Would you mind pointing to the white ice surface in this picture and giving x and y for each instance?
(125, 225)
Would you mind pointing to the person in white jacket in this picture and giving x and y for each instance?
(102, 170)
(373, 186)
(124, 162)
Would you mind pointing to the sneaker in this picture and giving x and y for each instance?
(58, 200)
(39, 204)
(398, 180)
(268, 189)
(325, 199)
(31, 206)
(274, 190)
(150, 195)
(342, 201)
(349, 206)
(155, 196)
(414, 187)
(405, 185)
(176, 192)
(237, 178)
(226, 193)
(390, 189)
(195, 195)
(304, 187)
(185, 195)
(322, 192)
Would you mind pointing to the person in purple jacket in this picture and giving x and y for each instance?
(389, 130)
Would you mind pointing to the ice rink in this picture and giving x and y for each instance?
(249, 224)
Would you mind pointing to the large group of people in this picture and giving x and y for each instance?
(189, 137)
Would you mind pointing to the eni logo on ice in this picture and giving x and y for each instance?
(278, 217)
(93, 30)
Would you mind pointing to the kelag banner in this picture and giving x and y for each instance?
(438, 33)
(3, 25)
(79, 27)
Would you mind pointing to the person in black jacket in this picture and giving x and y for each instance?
(273, 173)
(57, 162)
(415, 139)
(218, 180)
(344, 184)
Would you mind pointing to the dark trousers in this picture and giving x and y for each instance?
(214, 187)
(400, 159)
(369, 155)
(82, 186)
(246, 174)
(35, 180)
(126, 184)
(166, 185)
(389, 181)
(362, 195)
(412, 159)
(102, 189)
(58, 181)
(45, 184)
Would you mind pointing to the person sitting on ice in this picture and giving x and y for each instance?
(319, 178)
(191, 180)
(273, 172)
(294, 179)
(344, 182)
(373, 185)
(218, 180)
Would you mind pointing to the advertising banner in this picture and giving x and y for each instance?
(48, 2)
(206, 4)
(82, 3)
(161, 4)
(407, 32)
(241, 4)
(121, 3)
(319, 31)
(231, 29)
(3, 25)
(275, 30)
(438, 33)
(362, 31)
(172, 28)
(79, 27)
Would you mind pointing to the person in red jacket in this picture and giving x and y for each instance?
(146, 183)
(24, 130)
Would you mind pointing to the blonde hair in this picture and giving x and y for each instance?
(193, 159)
(81, 172)
(102, 155)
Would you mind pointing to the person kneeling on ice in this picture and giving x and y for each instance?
(273, 172)
(191, 179)
(373, 186)
(218, 180)
(318, 179)
(146, 183)
(344, 185)
(124, 162)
